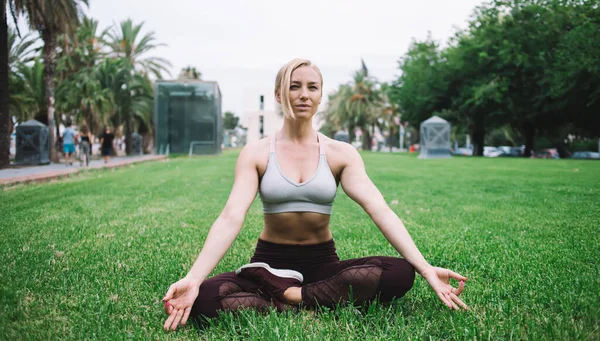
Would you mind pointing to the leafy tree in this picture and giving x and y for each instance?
(475, 87)
(421, 89)
(230, 121)
(189, 72)
(575, 75)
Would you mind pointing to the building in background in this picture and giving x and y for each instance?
(187, 117)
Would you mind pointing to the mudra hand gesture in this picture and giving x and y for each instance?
(178, 302)
(439, 280)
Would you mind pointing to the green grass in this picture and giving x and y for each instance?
(91, 256)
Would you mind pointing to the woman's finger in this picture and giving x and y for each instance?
(454, 306)
(177, 319)
(169, 320)
(457, 276)
(167, 308)
(461, 288)
(445, 300)
(186, 315)
(459, 302)
(170, 292)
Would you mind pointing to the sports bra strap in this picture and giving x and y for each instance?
(272, 144)
(321, 144)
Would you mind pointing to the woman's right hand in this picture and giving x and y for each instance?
(179, 300)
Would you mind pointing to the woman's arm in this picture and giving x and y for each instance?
(181, 295)
(360, 188)
(229, 223)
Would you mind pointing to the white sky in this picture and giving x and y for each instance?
(242, 44)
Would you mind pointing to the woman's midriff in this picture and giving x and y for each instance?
(296, 228)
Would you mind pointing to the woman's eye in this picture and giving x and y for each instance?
(314, 88)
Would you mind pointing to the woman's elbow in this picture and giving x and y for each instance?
(378, 211)
(232, 217)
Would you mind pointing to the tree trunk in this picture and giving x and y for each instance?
(529, 132)
(351, 135)
(128, 133)
(478, 133)
(366, 142)
(147, 142)
(478, 137)
(49, 72)
(4, 95)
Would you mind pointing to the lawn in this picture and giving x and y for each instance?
(91, 256)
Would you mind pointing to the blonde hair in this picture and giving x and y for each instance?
(283, 80)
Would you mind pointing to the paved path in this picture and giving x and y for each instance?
(15, 175)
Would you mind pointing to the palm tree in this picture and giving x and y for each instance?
(84, 47)
(80, 91)
(83, 95)
(129, 45)
(357, 104)
(143, 109)
(50, 18)
(338, 112)
(126, 42)
(20, 51)
(29, 101)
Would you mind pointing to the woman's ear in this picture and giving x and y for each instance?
(278, 97)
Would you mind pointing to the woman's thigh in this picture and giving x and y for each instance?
(213, 290)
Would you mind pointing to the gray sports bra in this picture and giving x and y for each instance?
(280, 194)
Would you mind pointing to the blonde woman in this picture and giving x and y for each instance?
(296, 171)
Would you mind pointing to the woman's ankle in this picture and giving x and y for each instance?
(293, 295)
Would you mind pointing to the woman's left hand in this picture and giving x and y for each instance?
(439, 280)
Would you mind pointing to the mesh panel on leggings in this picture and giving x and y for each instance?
(228, 288)
(244, 300)
(232, 298)
(361, 281)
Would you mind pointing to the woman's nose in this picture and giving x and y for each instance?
(304, 93)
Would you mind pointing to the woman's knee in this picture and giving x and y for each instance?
(207, 302)
(397, 278)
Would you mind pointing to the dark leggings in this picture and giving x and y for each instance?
(327, 280)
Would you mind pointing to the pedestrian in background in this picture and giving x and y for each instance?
(106, 143)
(68, 143)
(85, 145)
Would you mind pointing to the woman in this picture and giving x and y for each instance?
(106, 143)
(296, 172)
(85, 143)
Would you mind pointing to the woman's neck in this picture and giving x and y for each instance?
(298, 131)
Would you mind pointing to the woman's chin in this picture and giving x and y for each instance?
(303, 115)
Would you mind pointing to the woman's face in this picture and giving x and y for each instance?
(305, 91)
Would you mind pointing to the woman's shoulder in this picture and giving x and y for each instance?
(338, 147)
(256, 150)
(339, 153)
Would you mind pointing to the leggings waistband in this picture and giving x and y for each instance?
(295, 256)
